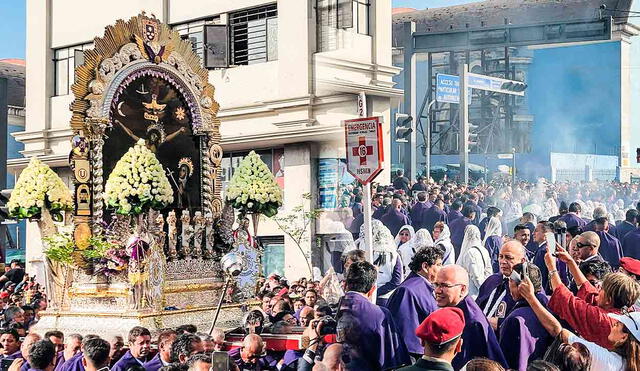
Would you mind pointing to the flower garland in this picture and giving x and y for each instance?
(253, 189)
(137, 183)
(38, 187)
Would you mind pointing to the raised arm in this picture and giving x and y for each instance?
(548, 321)
(172, 136)
(128, 131)
(574, 269)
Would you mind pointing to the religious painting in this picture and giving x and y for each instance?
(150, 107)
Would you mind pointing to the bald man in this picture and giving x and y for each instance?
(249, 355)
(331, 359)
(495, 288)
(306, 315)
(478, 338)
(25, 348)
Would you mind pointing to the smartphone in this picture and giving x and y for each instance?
(220, 361)
(551, 242)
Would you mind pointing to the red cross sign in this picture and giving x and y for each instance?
(363, 139)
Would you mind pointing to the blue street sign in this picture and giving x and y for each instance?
(447, 88)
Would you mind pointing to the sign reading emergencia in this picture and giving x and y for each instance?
(363, 139)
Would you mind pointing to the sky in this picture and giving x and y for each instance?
(12, 27)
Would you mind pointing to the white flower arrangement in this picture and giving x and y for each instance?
(137, 183)
(253, 189)
(39, 187)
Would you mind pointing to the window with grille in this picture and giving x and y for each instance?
(331, 15)
(65, 60)
(254, 35)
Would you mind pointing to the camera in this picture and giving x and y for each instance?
(560, 231)
(325, 325)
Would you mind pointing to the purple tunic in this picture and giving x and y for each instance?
(154, 364)
(573, 220)
(125, 362)
(478, 338)
(432, 216)
(392, 284)
(453, 215)
(73, 364)
(493, 245)
(12, 356)
(623, 228)
(409, 305)
(377, 335)
(522, 337)
(394, 220)
(488, 286)
(538, 260)
(631, 244)
(610, 249)
(261, 364)
(417, 215)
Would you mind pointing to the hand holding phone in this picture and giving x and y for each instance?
(551, 242)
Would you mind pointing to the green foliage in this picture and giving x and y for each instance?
(296, 223)
(59, 247)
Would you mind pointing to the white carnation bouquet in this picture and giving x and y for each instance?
(253, 189)
(39, 187)
(137, 183)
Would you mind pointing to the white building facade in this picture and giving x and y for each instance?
(295, 69)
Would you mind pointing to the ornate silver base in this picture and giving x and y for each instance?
(108, 325)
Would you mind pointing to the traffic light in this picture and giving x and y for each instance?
(403, 127)
(515, 86)
(473, 135)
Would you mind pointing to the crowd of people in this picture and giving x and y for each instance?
(533, 276)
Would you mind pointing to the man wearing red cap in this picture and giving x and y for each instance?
(441, 336)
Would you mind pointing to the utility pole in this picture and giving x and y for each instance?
(427, 141)
(463, 138)
(410, 99)
(513, 168)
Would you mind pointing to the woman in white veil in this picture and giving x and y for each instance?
(407, 250)
(442, 236)
(385, 258)
(405, 235)
(475, 259)
(493, 241)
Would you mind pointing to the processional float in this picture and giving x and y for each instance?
(149, 226)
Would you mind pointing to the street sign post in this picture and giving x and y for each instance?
(365, 155)
(363, 139)
(447, 88)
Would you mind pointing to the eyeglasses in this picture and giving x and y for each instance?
(438, 285)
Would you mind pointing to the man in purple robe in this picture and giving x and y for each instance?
(139, 348)
(458, 226)
(394, 219)
(539, 236)
(631, 244)
(366, 327)
(572, 218)
(434, 214)
(610, 247)
(629, 223)
(454, 212)
(250, 355)
(42, 356)
(163, 358)
(96, 354)
(10, 341)
(522, 336)
(418, 210)
(25, 348)
(478, 338)
(413, 300)
(495, 289)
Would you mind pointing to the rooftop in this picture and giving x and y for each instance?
(490, 13)
(14, 71)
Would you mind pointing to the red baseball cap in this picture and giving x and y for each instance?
(441, 326)
(630, 265)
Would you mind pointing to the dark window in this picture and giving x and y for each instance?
(65, 60)
(254, 35)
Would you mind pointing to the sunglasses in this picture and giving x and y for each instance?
(581, 245)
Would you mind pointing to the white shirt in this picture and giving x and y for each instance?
(601, 358)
